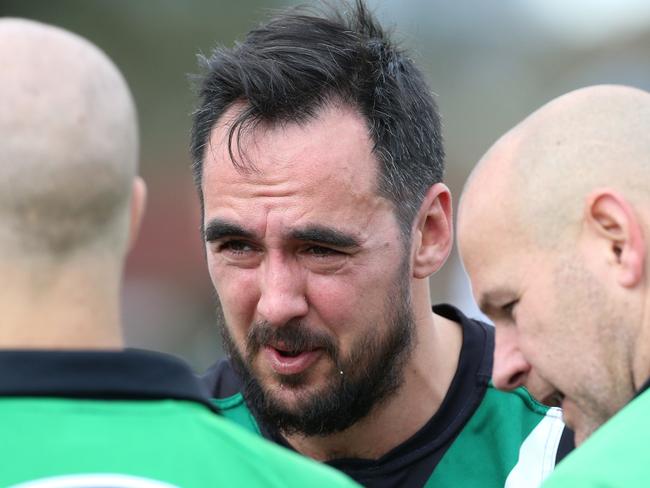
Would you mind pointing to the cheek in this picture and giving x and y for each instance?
(238, 293)
(333, 299)
(542, 342)
(531, 333)
(347, 305)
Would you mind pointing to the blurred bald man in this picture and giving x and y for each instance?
(75, 408)
(553, 229)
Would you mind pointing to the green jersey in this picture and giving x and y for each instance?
(126, 420)
(479, 437)
(615, 455)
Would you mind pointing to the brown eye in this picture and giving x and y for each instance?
(235, 247)
(321, 252)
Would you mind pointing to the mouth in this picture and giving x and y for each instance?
(285, 360)
(555, 399)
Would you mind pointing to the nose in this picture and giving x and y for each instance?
(282, 291)
(511, 368)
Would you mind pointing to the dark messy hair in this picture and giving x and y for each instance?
(288, 69)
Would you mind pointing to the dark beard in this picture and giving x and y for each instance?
(373, 371)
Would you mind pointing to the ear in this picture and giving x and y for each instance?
(432, 232)
(614, 229)
(138, 204)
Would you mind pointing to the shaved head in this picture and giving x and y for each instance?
(68, 144)
(544, 167)
(551, 229)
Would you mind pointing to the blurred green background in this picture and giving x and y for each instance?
(490, 63)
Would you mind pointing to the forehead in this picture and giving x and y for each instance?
(324, 166)
(334, 141)
(494, 244)
(489, 260)
(502, 264)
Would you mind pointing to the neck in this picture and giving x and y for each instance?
(427, 377)
(71, 307)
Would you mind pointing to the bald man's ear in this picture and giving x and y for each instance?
(615, 231)
(138, 204)
(432, 235)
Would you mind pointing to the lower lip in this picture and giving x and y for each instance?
(288, 365)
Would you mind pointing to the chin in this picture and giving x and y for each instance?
(579, 435)
(289, 391)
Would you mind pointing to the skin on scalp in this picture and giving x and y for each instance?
(522, 227)
(576, 143)
(68, 160)
(550, 161)
(62, 177)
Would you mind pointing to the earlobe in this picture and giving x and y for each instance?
(613, 221)
(432, 234)
(138, 204)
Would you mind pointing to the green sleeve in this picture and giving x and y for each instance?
(615, 455)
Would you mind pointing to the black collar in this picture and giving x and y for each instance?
(411, 463)
(129, 374)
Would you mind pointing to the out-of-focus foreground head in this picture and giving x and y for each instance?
(69, 148)
(552, 227)
(69, 195)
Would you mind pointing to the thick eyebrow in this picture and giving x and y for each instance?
(325, 235)
(218, 229)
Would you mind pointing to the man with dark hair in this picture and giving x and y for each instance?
(319, 163)
(76, 408)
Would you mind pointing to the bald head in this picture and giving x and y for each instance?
(551, 230)
(68, 144)
(539, 174)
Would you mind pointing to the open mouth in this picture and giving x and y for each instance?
(288, 354)
(288, 361)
